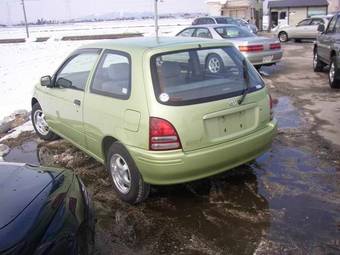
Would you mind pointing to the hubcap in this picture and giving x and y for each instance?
(120, 173)
(40, 122)
(283, 37)
(214, 65)
(331, 72)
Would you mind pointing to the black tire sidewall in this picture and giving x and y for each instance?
(319, 66)
(139, 189)
(50, 135)
(336, 81)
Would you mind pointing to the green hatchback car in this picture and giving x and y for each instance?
(157, 110)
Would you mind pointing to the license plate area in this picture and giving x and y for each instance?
(268, 59)
(233, 125)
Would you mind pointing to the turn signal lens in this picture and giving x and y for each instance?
(251, 48)
(163, 136)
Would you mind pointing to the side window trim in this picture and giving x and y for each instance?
(69, 58)
(107, 94)
(329, 24)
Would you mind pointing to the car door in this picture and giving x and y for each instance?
(68, 94)
(325, 41)
(106, 101)
(312, 30)
(299, 31)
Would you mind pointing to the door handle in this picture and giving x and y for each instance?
(76, 102)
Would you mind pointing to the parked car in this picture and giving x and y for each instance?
(305, 29)
(258, 50)
(224, 20)
(157, 111)
(327, 51)
(249, 26)
(43, 211)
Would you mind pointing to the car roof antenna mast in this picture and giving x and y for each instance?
(156, 19)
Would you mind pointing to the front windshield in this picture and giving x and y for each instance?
(201, 75)
(233, 32)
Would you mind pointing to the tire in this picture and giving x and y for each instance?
(318, 65)
(334, 75)
(258, 67)
(40, 125)
(126, 178)
(214, 64)
(283, 37)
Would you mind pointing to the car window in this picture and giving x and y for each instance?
(113, 75)
(225, 20)
(76, 70)
(233, 32)
(203, 33)
(187, 32)
(337, 26)
(317, 22)
(201, 75)
(305, 22)
(331, 25)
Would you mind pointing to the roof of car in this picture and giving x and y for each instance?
(144, 43)
(213, 25)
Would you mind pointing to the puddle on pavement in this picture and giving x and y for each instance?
(285, 202)
(25, 153)
(286, 113)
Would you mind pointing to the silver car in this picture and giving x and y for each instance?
(305, 29)
(257, 49)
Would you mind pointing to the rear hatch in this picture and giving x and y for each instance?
(199, 92)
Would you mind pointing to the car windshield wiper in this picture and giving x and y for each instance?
(246, 79)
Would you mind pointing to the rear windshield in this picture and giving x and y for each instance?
(225, 21)
(233, 32)
(202, 75)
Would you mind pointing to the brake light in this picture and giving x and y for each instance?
(275, 46)
(251, 48)
(163, 136)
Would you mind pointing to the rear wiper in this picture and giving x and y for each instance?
(246, 79)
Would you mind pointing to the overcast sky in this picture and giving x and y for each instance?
(11, 10)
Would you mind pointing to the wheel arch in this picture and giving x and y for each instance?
(34, 101)
(333, 53)
(106, 144)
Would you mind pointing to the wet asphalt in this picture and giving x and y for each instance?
(285, 202)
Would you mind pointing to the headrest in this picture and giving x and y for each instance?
(120, 71)
(170, 69)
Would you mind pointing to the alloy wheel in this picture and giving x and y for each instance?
(40, 122)
(120, 173)
(214, 65)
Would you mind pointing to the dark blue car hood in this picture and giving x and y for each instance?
(19, 185)
(25, 194)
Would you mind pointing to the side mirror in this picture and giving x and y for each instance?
(321, 28)
(46, 81)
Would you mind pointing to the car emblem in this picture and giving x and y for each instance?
(233, 102)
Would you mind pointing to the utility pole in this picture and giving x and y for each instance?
(156, 18)
(25, 17)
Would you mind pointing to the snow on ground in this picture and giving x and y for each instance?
(22, 65)
(14, 133)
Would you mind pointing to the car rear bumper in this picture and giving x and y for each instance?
(265, 57)
(162, 168)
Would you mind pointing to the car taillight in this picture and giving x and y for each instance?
(163, 136)
(275, 46)
(251, 48)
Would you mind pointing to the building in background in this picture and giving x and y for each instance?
(245, 9)
(291, 12)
